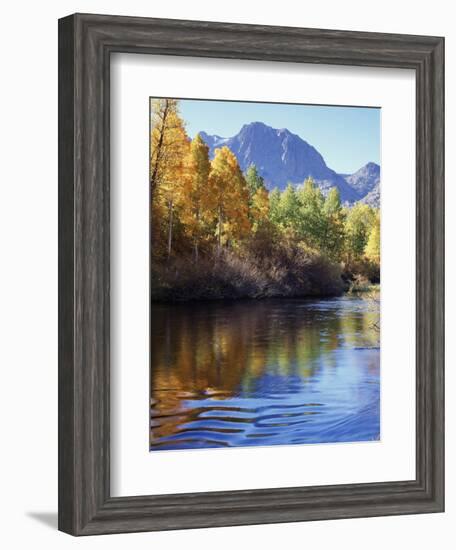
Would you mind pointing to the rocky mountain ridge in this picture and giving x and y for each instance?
(282, 157)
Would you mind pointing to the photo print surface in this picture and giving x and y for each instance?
(264, 274)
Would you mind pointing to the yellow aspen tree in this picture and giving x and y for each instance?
(196, 200)
(169, 148)
(260, 207)
(372, 251)
(172, 186)
(165, 120)
(239, 223)
(229, 197)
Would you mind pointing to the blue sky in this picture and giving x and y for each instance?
(347, 137)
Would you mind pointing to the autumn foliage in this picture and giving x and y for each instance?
(217, 232)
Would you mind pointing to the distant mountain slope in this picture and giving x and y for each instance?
(373, 197)
(366, 182)
(281, 157)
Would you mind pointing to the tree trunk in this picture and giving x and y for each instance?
(170, 227)
(195, 245)
(219, 237)
(196, 251)
(155, 168)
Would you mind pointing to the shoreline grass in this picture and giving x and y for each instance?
(286, 274)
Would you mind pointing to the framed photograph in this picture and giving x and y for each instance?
(251, 274)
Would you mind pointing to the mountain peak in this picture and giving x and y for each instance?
(366, 182)
(255, 127)
(281, 157)
(254, 124)
(371, 168)
(285, 131)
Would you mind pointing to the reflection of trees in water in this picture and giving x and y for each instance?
(220, 350)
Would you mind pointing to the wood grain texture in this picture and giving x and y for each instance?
(85, 45)
(66, 275)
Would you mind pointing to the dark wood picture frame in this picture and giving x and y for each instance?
(85, 45)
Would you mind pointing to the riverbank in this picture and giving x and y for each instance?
(361, 284)
(287, 274)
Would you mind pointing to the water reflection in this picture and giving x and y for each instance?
(264, 373)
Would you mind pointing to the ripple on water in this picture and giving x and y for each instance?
(288, 372)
